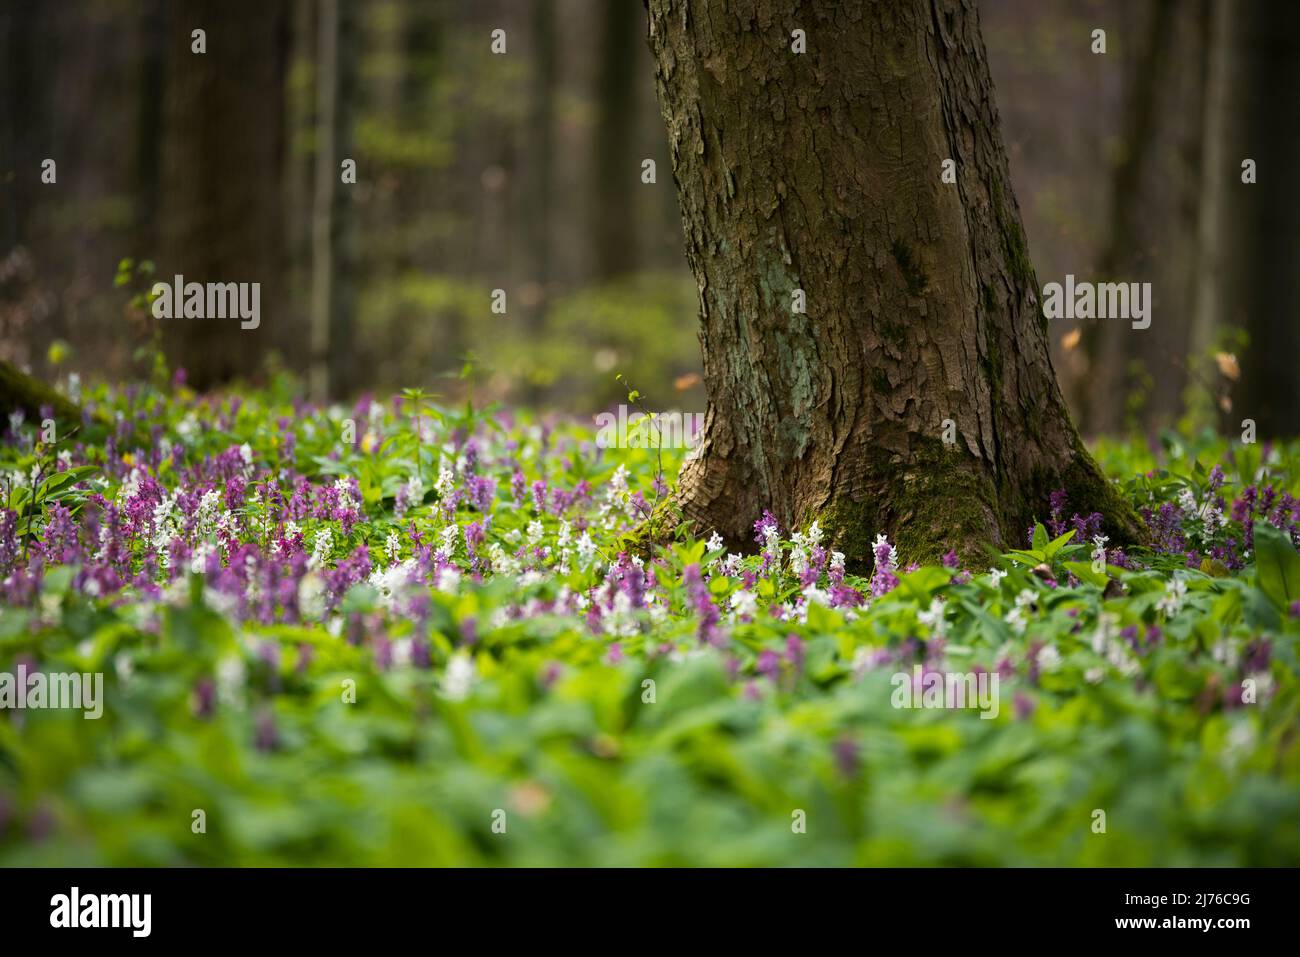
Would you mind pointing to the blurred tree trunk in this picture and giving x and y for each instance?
(1110, 346)
(222, 158)
(618, 169)
(332, 220)
(1261, 221)
(18, 390)
(541, 120)
(1215, 175)
(151, 20)
(24, 121)
(821, 172)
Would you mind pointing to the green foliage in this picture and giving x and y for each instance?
(636, 744)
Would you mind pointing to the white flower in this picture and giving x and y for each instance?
(403, 650)
(390, 580)
(618, 483)
(1018, 616)
(1049, 659)
(124, 665)
(814, 533)
(1117, 655)
(534, 532)
(209, 506)
(586, 548)
(812, 595)
(933, 618)
(450, 537)
(744, 603)
(346, 498)
(448, 580)
(1240, 740)
(1225, 652)
(231, 675)
(392, 547)
(1094, 675)
(458, 679)
(322, 548)
(995, 576)
(502, 563)
(715, 543)
(1214, 519)
(1171, 603)
(446, 484)
(199, 560)
(311, 596)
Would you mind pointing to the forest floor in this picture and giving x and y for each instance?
(407, 634)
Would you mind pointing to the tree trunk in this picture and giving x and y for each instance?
(18, 390)
(222, 159)
(332, 219)
(618, 169)
(1261, 231)
(1111, 346)
(821, 172)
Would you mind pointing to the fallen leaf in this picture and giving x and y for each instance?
(1228, 365)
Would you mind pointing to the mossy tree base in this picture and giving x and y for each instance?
(18, 390)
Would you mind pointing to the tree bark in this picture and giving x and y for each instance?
(18, 390)
(1112, 346)
(618, 169)
(221, 166)
(821, 172)
(333, 244)
(1261, 232)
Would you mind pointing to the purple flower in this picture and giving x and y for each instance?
(846, 757)
(697, 593)
(1024, 705)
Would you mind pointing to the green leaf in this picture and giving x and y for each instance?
(1056, 545)
(1040, 537)
(1277, 565)
(61, 480)
(1083, 571)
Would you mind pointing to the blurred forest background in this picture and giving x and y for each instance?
(523, 172)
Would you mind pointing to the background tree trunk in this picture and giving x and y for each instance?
(332, 220)
(1111, 347)
(821, 172)
(618, 169)
(222, 158)
(1261, 226)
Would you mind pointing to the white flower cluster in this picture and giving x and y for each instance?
(1018, 616)
(1171, 603)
